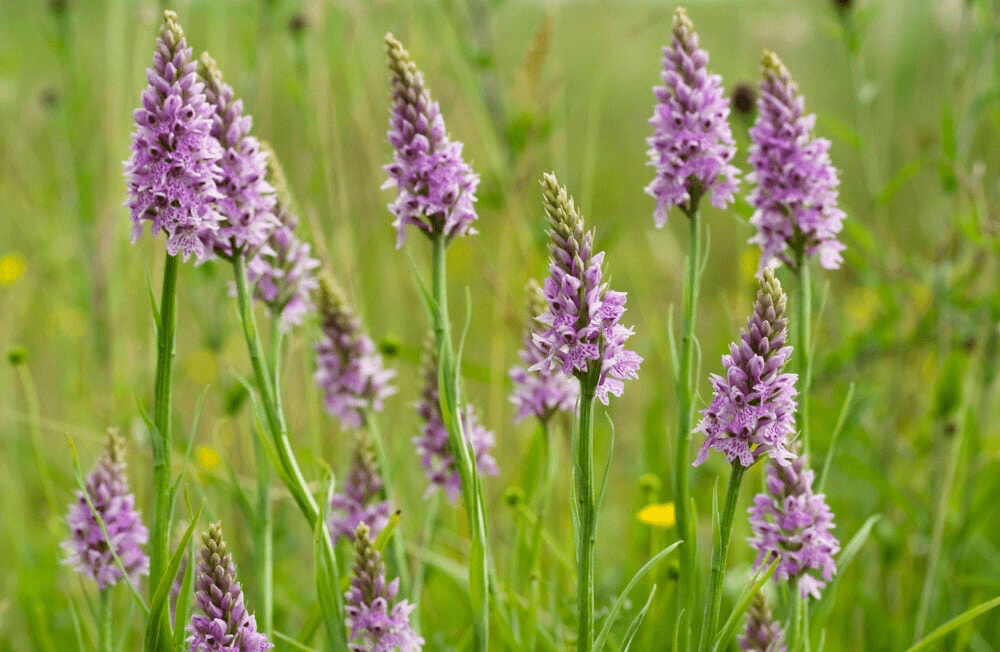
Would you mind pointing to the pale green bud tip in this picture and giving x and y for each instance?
(771, 292)
(115, 447)
(332, 297)
(399, 60)
(212, 540)
(771, 64)
(682, 23)
(559, 206)
(363, 543)
(171, 28)
(17, 355)
(276, 177)
(537, 305)
(209, 70)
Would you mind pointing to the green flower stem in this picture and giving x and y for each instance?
(719, 554)
(586, 534)
(804, 350)
(263, 533)
(159, 535)
(398, 559)
(797, 623)
(685, 408)
(160, 438)
(450, 396)
(275, 423)
(104, 620)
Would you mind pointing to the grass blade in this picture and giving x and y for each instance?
(722, 640)
(955, 623)
(602, 636)
(637, 621)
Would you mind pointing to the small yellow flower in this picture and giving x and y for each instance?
(11, 268)
(207, 458)
(659, 515)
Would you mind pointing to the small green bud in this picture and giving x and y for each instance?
(17, 355)
(514, 496)
(649, 484)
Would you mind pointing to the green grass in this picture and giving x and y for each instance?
(911, 319)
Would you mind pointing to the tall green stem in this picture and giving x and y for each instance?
(684, 409)
(586, 535)
(720, 552)
(805, 362)
(275, 422)
(450, 396)
(104, 621)
(160, 437)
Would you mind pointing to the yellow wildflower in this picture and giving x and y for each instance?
(11, 268)
(207, 458)
(659, 515)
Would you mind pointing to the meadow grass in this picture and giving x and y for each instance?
(909, 93)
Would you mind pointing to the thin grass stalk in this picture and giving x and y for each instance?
(544, 499)
(937, 533)
(426, 541)
(275, 422)
(449, 391)
(685, 408)
(720, 553)
(104, 637)
(586, 535)
(30, 391)
(804, 349)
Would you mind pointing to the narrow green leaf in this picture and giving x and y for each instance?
(449, 567)
(327, 576)
(722, 640)
(76, 625)
(955, 623)
(672, 341)
(196, 415)
(465, 330)
(835, 437)
(382, 540)
(292, 642)
(633, 627)
(843, 561)
(428, 300)
(678, 625)
(159, 601)
(183, 608)
(607, 471)
(609, 620)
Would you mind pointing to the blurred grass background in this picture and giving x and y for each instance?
(907, 91)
